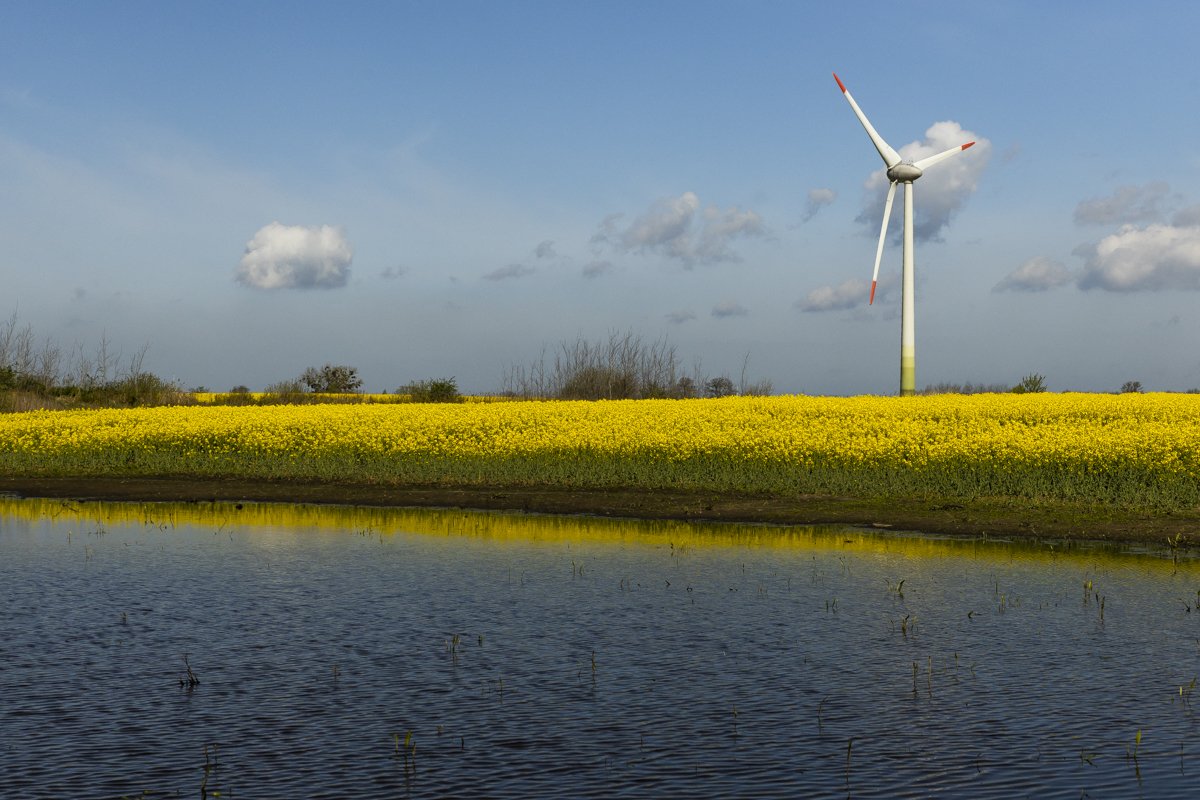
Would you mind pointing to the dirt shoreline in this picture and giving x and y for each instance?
(992, 518)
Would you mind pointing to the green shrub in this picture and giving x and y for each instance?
(434, 390)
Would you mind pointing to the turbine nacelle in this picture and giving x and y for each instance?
(904, 172)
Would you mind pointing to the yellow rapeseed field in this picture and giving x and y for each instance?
(1130, 450)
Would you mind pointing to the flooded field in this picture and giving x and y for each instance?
(295, 651)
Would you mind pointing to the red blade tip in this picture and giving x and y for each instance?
(872, 300)
(841, 85)
(968, 144)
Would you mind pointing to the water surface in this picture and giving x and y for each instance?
(375, 653)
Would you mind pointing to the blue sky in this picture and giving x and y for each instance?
(435, 189)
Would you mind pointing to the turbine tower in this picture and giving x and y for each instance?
(899, 171)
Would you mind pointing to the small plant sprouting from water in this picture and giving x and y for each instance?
(406, 752)
(188, 681)
(735, 721)
(1175, 544)
(1133, 755)
(820, 721)
(209, 766)
(1185, 693)
(849, 750)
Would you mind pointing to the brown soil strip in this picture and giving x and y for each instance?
(1002, 518)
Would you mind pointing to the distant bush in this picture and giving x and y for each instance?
(622, 367)
(332, 379)
(286, 392)
(966, 388)
(1130, 387)
(1030, 384)
(721, 386)
(435, 390)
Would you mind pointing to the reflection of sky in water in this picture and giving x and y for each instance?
(806, 633)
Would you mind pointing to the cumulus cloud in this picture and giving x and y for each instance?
(721, 227)
(664, 227)
(817, 199)
(678, 229)
(296, 257)
(1035, 275)
(1187, 218)
(511, 271)
(729, 308)
(940, 192)
(846, 295)
(1148, 258)
(1125, 206)
(680, 317)
(606, 232)
(595, 269)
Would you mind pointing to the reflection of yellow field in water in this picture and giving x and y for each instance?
(518, 528)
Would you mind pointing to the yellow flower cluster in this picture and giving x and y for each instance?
(1126, 449)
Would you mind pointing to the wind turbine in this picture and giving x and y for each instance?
(899, 171)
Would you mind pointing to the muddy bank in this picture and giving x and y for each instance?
(1003, 518)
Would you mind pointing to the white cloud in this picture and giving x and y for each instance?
(296, 257)
(606, 232)
(1035, 275)
(1150, 258)
(511, 271)
(940, 192)
(595, 269)
(664, 227)
(849, 294)
(846, 295)
(670, 228)
(817, 199)
(680, 317)
(729, 308)
(1126, 205)
(720, 227)
(1187, 218)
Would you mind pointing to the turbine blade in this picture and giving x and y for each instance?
(887, 213)
(890, 157)
(926, 163)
